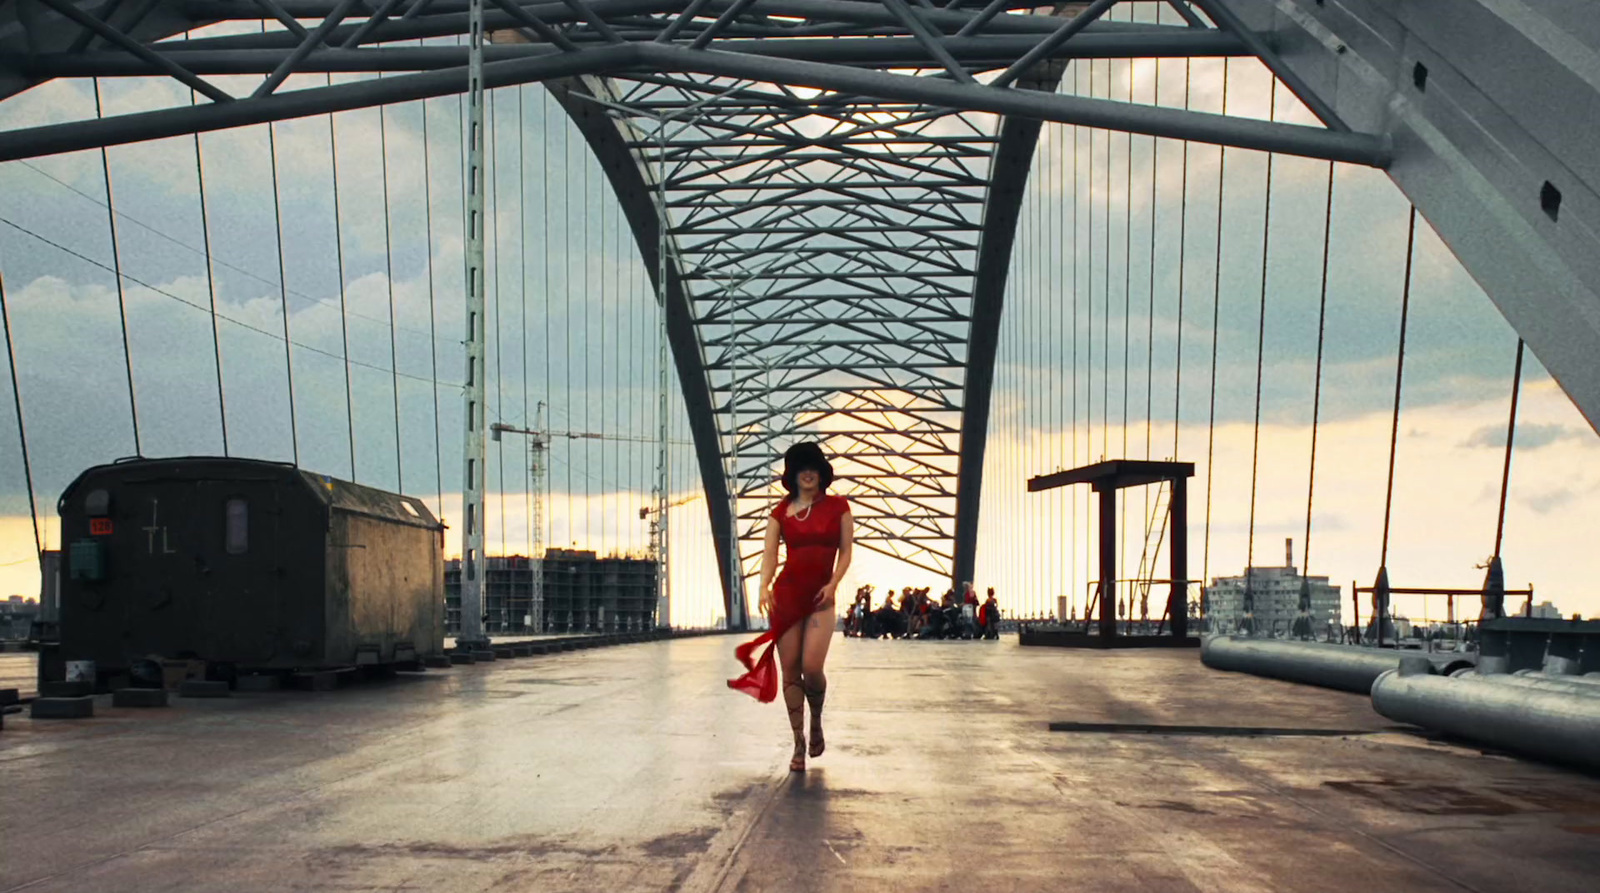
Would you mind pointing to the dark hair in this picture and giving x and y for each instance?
(805, 457)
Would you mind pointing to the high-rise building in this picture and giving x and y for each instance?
(1275, 592)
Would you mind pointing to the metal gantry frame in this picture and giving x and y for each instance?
(824, 192)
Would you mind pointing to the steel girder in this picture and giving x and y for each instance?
(838, 181)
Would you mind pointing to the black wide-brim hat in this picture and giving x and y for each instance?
(803, 457)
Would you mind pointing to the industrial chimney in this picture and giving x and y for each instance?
(1288, 552)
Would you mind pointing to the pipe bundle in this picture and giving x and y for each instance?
(1538, 715)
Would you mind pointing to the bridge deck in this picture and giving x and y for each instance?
(633, 768)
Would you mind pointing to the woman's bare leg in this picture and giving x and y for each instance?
(794, 690)
(813, 653)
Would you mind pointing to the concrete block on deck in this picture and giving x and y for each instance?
(483, 655)
(203, 688)
(258, 682)
(436, 662)
(8, 696)
(139, 697)
(462, 657)
(74, 689)
(521, 649)
(504, 652)
(62, 708)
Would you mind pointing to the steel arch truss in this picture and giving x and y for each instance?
(828, 243)
(835, 184)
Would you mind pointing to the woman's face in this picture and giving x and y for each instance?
(808, 479)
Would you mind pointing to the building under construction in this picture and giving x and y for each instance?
(581, 593)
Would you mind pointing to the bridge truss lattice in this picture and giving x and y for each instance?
(834, 185)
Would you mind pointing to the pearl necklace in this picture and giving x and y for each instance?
(801, 517)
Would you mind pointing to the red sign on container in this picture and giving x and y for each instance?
(100, 526)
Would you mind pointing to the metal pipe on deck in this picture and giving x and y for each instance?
(1344, 667)
(1535, 683)
(1534, 721)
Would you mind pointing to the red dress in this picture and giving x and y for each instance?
(812, 543)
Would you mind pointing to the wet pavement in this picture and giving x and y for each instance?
(635, 768)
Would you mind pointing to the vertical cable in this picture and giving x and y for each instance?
(601, 445)
(22, 430)
(545, 240)
(1072, 588)
(1089, 314)
(1505, 473)
(1183, 245)
(116, 266)
(211, 278)
(1399, 372)
(588, 482)
(1031, 388)
(499, 326)
(1057, 402)
(433, 339)
(566, 290)
(1216, 305)
(283, 291)
(388, 266)
(344, 313)
(1127, 327)
(1261, 343)
(522, 292)
(1150, 309)
(1105, 296)
(1316, 388)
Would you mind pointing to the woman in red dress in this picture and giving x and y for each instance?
(818, 531)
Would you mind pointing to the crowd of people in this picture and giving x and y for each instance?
(913, 614)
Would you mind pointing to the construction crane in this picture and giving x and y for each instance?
(539, 440)
(648, 510)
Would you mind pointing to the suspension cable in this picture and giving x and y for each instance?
(1399, 372)
(601, 445)
(388, 262)
(1216, 304)
(283, 295)
(1183, 265)
(22, 430)
(1089, 314)
(493, 198)
(1105, 315)
(566, 292)
(588, 481)
(1072, 588)
(1057, 399)
(1511, 433)
(344, 313)
(211, 278)
(433, 339)
(1150, 311)
(1261, 343)
(1127, 334)
(522, 292)
(116, 264)
(1316, 390)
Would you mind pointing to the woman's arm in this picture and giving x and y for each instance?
(841, 565)
(769, 565)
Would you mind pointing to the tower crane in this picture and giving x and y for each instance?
(539, 439)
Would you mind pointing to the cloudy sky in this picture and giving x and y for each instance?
(368, 287)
